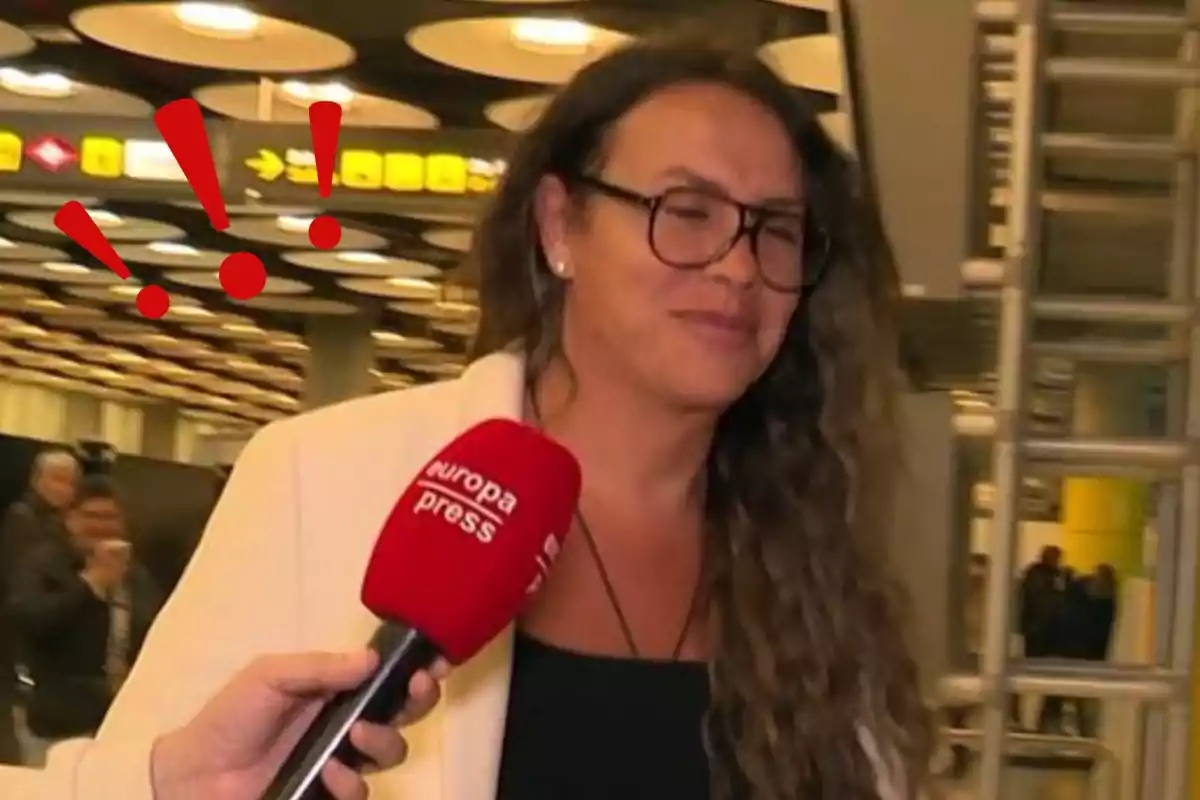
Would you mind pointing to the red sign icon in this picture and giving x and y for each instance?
(51, 153)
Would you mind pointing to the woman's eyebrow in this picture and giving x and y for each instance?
(783, 203)
(693, 178)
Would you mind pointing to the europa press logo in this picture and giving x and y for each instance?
(478, 506)
(242, 274)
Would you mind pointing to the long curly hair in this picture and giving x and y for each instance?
(809, 648)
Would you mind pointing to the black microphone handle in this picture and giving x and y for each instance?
(402, 653)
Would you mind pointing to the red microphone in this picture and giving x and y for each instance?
(469, 541)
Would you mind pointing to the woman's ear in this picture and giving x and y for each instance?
(551, 210)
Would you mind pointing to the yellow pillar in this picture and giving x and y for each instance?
(1102, 522)
(1103, 519)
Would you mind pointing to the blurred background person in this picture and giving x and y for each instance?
(1057, 634)
(83, 607)
(1041, 598)
(36, 517)
(1089, 619)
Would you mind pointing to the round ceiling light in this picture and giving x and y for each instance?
(22, 251)
(66, 268)
(42, 199)
(393, 288)
(361, 258)
(222, 36)
(53, 93)
(59, 272)
(18, 290)
(173, 249)
(218, 19)
(44, 85)
(390, 340)
(316, 306)
(62, 343)
(456, 239)
(54, 310)
(210, 280)
(116, 228)
(176, 255)
(536, 51)
(105, 219)
(552, 35)
(292, 232)
(465, 328)
(304, 94)
(106, 295)
(289, 102)
(518, 114)
(14, 41)
(289, 223)
(439, 309)
(363, 264)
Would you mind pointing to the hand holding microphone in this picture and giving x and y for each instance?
(236, 744)
(461, 553)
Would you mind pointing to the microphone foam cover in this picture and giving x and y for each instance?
(473, 536)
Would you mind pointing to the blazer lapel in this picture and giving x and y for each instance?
(493, 386)
(475, 700)
(475, 697)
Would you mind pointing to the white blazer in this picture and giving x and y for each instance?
(279, 570)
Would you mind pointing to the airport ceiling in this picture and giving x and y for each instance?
(81, 79)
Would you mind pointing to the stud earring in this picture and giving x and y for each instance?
(560, 268)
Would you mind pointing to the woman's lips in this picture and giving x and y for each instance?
(718, 326)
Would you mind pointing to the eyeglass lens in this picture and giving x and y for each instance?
(693, 228)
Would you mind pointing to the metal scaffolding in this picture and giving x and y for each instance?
(1164, 687)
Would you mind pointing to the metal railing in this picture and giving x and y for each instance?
(1024, 81)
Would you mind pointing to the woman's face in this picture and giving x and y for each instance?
(699, 336)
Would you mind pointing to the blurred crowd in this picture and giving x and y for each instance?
(76, 606)
(1060, 614)
(1064, 614)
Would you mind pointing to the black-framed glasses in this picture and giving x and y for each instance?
(691, 228)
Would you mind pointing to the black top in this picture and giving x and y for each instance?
(594, 728)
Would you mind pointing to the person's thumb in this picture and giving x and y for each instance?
(308, 674)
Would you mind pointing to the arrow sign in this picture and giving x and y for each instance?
(267, 165)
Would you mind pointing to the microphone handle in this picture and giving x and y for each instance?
(403, 652)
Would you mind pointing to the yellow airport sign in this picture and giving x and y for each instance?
(379, 171)
(10, 152)
(362, 169)
(404, 172)
(102, 157)
(266, 165)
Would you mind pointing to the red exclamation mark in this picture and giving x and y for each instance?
(181, 124)
(325, 120)
(75, 221)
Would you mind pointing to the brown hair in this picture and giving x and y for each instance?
(808, 646)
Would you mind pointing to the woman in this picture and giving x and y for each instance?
(681, 282)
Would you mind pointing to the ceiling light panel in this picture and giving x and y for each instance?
(502, 48)
(215, 35)
(246, 100)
